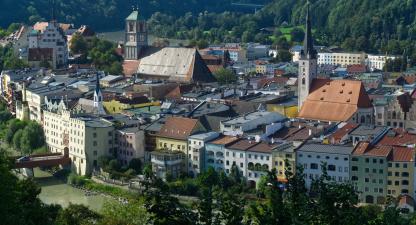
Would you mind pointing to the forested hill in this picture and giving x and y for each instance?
(101, 13)
(368, 25)
(376, 20)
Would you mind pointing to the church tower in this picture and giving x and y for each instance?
(308, 68)
(135, 35)
(98, 98)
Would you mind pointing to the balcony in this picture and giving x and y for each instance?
(258, 167)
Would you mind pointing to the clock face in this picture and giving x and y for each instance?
(132, 38)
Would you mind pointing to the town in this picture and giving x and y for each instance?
(232, 107)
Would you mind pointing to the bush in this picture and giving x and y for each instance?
(76, 180)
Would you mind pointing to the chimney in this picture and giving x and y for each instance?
(310, 132)
(258, 139)
(272, 140)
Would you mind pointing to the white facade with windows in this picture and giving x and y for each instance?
(312, 156)
(52, 37)
(86, 138)
(378, 61)
(196, 151)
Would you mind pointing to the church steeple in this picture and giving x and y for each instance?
(98, 97)
(308, 63)
(135, 35)
(308, 49)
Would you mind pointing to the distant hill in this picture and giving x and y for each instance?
(100, 13)
(367, 25)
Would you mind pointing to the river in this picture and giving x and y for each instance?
(55, 191)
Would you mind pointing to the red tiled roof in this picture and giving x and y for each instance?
(130, 67)
(178, 128)
(401, 137)
(358, 68)
(403, 154)
(341, 98)
(243, 144)
(224, 140)
(364, 148)
(346, 129)
(263, 147)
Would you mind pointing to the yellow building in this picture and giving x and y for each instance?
(175, 132)
(288, 110)
(400, 172)
(119, 104)
(173, 136)
(284, 159)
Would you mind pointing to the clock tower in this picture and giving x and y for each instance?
(135, 35)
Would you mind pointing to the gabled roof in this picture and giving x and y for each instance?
(365, 149)
(174, 64)
(224, 140)
(398, 137)
(334, 100)
(178, 128)
(403, 154)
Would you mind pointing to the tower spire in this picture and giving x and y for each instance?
(53, 11)
(308, 49)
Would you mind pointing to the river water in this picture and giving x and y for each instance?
(55, 191)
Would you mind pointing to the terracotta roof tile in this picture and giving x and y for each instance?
(243, 144)
(400, 137)
(224, 140)
(403, 154)
(340, 133)
(263, 147)
(340, 98)
(266, 81)
(358, 68)
(130, 67)
(178, 128)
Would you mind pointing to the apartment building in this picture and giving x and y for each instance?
(343, 59)
(336, 158)
(369, 167)
(196, 151)
(47, 42)
(85, 136)
(377, 62)
(215, 152)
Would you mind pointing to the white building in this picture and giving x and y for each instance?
(47, 42)
(237, 126)
(312, 156)
(252, 158)
(341, 58)
(378, 61)
(196, 151)
(86, 137)
(256, 51)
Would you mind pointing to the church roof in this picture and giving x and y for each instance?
(174, 64)
(334, 100)
(135, 16)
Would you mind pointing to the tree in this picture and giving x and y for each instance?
(77, 215)
(136, 165)
(225, 76)
(19, 203)
(284, 55)
(132, 213)
(32, 138)
(297, 34)
(78, 45)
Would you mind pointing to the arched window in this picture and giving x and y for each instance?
(303, 81)
(394, 115)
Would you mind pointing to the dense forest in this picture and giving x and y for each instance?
(382, 26)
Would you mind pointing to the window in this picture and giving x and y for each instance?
(354, 159)
(241, 165)
(94, 135)
(354, 178)
(354, 168)
(404, 165)
(405, 174)
(314, 166)
(94, 143)
(227, 163)
(366, 180)
(374, 160)
(331, 167)
(367, 170)
(381, 161)
(397, 165)
(367, 160)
